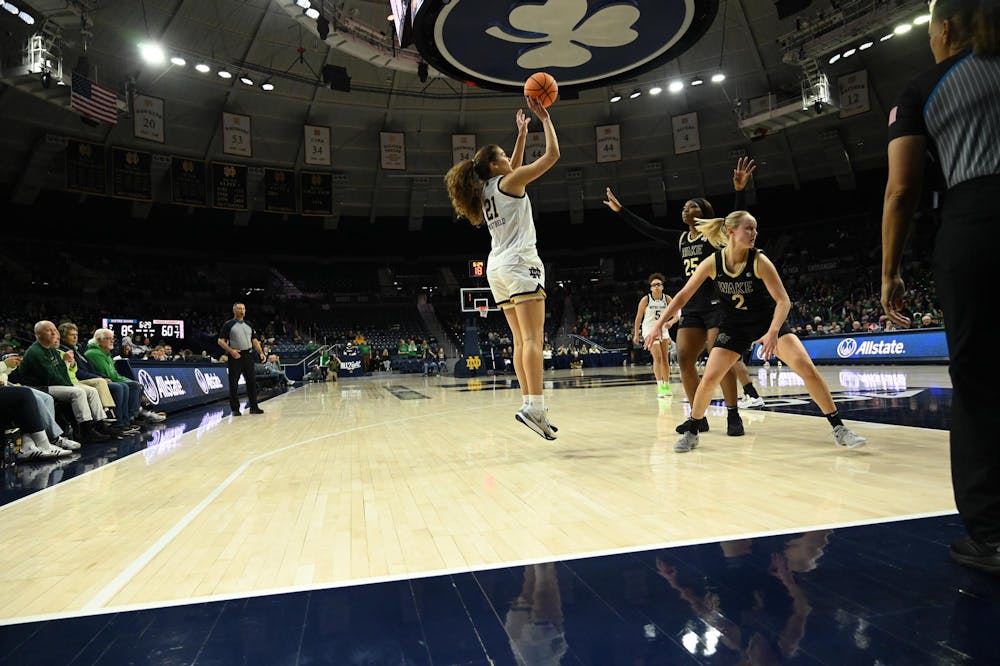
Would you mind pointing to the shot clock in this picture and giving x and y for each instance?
(477, 268)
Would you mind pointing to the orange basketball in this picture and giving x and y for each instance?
(543, 87)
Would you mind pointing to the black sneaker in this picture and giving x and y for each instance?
(237, 412)
(978, 555)
(702, 425)
(256, 410)
(734, 427)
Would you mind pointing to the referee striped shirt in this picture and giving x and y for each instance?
(956, 105)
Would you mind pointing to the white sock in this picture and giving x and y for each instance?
(524, 400)
(536, 401)
(35, 440)
(661, 383)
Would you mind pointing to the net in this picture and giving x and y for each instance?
(482, 310)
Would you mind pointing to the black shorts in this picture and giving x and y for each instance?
(739, 337)
(703, 319)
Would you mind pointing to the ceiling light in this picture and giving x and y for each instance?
(655, 90)
(267, 86)
(179, 61)
(615, 97)
(635, 93)
(224, 74)
(697, 81)
(675, 86)
(304, 4)
(849, 52)
(203, 68)
(903, 28)
(718, 78)
(27, 18)
(866, 46)
(246, 80)
(920, 20)
(886, 37)
(312, 13)
(834, 58)
(11, 7)
(390, 18)
(152, 53)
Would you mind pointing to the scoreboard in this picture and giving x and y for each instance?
(155, 329)
(477, 268)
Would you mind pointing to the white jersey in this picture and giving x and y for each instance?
(654, 308)
(511, 226)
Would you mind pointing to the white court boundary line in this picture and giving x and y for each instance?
(87, 612)
(63, 484)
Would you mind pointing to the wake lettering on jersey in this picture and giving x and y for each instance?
(736, 287)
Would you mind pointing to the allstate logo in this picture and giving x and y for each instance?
(847, 347)
(148, 386)
(200, 378)
(760, 353)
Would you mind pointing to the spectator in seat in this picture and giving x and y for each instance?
(99, 354)
(82, 372)
(43, 367)
(441, 361)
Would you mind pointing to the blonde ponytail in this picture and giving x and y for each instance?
(715, 230)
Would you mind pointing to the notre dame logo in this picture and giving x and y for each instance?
(474, 385)
(535, 272)
(473, 362)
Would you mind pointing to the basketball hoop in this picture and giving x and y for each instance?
(483, 309)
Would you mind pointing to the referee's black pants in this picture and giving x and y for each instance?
(964, 273)
(237, 366)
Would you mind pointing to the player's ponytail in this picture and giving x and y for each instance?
(464, 182)
(715, 230)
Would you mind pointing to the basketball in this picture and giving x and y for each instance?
(542, 87)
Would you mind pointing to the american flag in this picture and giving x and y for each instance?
(93, 101)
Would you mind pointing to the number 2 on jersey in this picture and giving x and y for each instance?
(490, 209)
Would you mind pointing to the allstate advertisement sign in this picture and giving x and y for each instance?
(922, 346)
(170, 387)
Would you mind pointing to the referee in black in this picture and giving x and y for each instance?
(237, 337)
(952, 111)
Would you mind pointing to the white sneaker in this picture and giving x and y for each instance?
(33, 454)
(746, 402)
(686, 443)
(66, 443)
(535, 419)
(551, 427)
(151, 417)
(848, 439)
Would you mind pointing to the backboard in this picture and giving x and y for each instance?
(472, 297)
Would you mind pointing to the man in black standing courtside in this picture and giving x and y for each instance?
(238, 339)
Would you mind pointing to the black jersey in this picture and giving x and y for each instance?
(744, 296)
(694, 249)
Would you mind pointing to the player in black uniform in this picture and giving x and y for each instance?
(754, 307)
(699, 322)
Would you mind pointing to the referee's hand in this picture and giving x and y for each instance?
(235, 354)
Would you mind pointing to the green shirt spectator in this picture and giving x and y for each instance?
(43, 366)
(103, 362)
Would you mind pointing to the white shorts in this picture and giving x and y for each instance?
(517, 283)
(646, 328)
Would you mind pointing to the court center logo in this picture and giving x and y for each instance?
(148, 386)
(847, 347)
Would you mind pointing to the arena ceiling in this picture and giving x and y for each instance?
(478, 51)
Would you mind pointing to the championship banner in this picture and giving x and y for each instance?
(609, 143)
(131, 174)
(317, 193)
(392, 149)
(147, 118)
(534, 147)
(236, 137)
(463, 147)
(85, 170)
(188, 181)
(854, 98)
(229, 186)
(686, 138)
(317, 146)
(279, 191)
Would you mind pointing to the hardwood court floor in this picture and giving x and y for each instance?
(399, 476)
